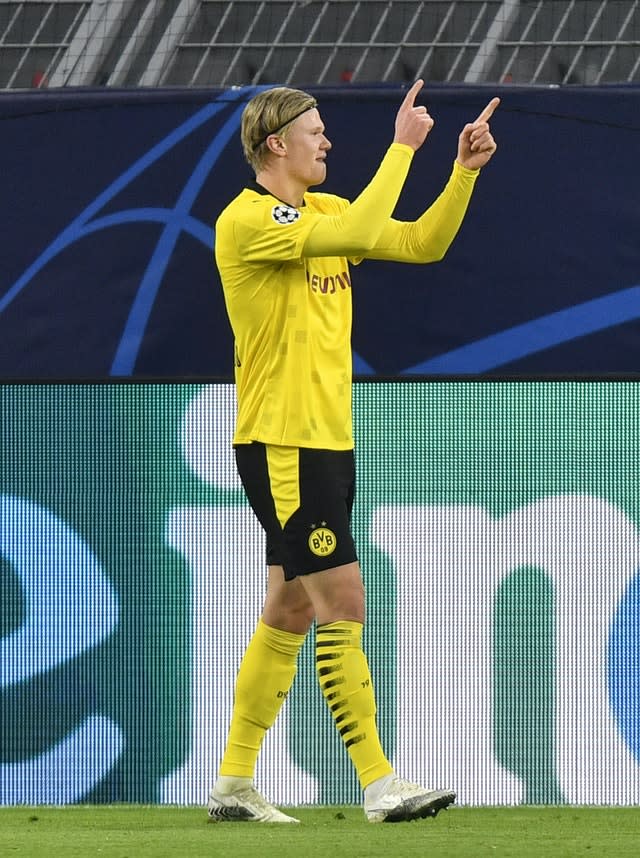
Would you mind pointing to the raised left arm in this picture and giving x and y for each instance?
(428, 238)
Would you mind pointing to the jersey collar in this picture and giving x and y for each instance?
(252, 185)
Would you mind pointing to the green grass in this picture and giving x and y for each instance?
(126, 831)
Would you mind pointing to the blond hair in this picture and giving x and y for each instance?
(270, 112)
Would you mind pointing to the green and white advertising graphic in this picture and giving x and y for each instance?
(498, 525)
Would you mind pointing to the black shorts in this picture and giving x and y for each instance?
(303, 499)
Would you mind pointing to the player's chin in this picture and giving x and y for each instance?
(319, 173)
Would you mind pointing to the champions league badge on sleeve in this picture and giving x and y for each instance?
(284, 214)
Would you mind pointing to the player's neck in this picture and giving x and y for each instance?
(283, 187)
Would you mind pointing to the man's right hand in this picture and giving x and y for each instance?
(412, 123)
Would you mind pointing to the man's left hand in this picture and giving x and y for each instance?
(476, 144)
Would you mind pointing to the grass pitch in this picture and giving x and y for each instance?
(156, 832)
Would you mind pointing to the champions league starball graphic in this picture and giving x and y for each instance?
(115, 277)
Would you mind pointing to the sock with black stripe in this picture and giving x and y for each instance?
(345, 680)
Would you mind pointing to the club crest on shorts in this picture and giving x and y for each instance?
(282, 213)
(322, 541)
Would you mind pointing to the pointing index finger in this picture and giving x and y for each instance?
(410, 97)
(487, 113)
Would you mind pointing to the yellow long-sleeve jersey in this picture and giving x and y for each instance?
(287, 288)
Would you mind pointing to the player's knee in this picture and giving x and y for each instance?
(305, 614)
(294, 615)
(348, 603)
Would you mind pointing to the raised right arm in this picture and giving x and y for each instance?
(358, 229)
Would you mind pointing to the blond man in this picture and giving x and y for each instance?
(284, 255)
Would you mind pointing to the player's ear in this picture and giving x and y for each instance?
(276, 145)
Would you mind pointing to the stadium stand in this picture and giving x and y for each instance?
(313, 42)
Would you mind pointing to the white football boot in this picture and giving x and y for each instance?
(398, 800)
(237, 800)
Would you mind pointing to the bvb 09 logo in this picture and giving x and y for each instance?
(322, 541)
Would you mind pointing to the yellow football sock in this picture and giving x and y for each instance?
(345, 680)
(263, 682)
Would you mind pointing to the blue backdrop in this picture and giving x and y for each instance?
(109, 197)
